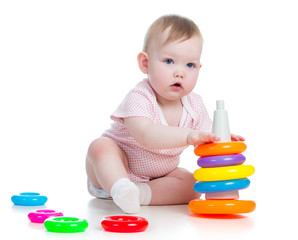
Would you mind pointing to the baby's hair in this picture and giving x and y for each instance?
(180, 28)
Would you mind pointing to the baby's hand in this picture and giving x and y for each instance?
(237, 138)
(198, 138)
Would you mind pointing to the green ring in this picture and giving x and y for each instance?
(65, 224)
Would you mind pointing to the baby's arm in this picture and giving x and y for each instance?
(155, 136)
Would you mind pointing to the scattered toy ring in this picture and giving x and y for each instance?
(29, 199)
(124, 224)
(223, 173)
(221, 206)
(221, 186)
(224, 148)
(65, 224)
(221, 160)
(39, 216)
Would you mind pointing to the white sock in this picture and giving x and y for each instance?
(145, 193)
(126, 194)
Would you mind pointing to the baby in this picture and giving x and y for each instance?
(135, 162)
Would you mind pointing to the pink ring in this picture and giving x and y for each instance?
(39, 216)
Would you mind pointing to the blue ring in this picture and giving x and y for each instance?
(221, 186)
(29, 199)
(221, 160)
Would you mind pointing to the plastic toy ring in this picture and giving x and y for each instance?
(124, 224)
(220, 148)
(29, 199)
(221, 206)
(221, 186)
(39, 216)
(223, 173)
(65, 224)
(221, 160)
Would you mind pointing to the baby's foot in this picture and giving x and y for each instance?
(125, 194)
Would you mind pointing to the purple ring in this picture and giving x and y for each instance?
(221, 160)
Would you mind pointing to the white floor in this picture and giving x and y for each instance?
(165, 222)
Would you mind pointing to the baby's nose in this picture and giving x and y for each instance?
(179, 74)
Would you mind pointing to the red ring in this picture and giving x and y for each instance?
(124, 224)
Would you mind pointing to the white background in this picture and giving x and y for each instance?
(66, 65)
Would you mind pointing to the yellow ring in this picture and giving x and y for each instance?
(225, 148)
(221, 206)
(223, 173)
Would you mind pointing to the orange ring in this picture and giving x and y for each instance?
(221, 206)
(212, 149)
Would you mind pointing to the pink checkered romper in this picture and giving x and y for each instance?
(144, 163)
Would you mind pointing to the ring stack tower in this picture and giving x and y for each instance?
(222, 172)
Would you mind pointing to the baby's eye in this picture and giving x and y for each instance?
(190, 65)
(169, 61)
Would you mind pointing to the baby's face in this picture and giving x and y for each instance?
(173, 68)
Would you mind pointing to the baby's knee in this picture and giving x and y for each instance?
(184, 176)
(98, 147)
(190, 180)
(187, 183)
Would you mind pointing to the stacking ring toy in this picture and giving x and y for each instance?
(221, 160)
(223, 173)
(124, 224)
(39, 216)
(65, 224)
(221, 186)
(224, 148)
(29, 199)
(221, 206)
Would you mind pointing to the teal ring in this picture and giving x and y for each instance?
(29, 199)
(221, 186)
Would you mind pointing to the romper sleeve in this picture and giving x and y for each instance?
(139, 102)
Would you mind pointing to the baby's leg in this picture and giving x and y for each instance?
(174, 188)
(105, 163)
(106, 166)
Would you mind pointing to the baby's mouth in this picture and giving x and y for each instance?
(176, 86)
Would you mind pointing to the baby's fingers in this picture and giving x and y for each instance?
(209, 137)
(237, 138)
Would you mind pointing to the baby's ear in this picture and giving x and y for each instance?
(143, 62)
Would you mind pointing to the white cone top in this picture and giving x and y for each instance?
(221, 123)
(220, 105)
